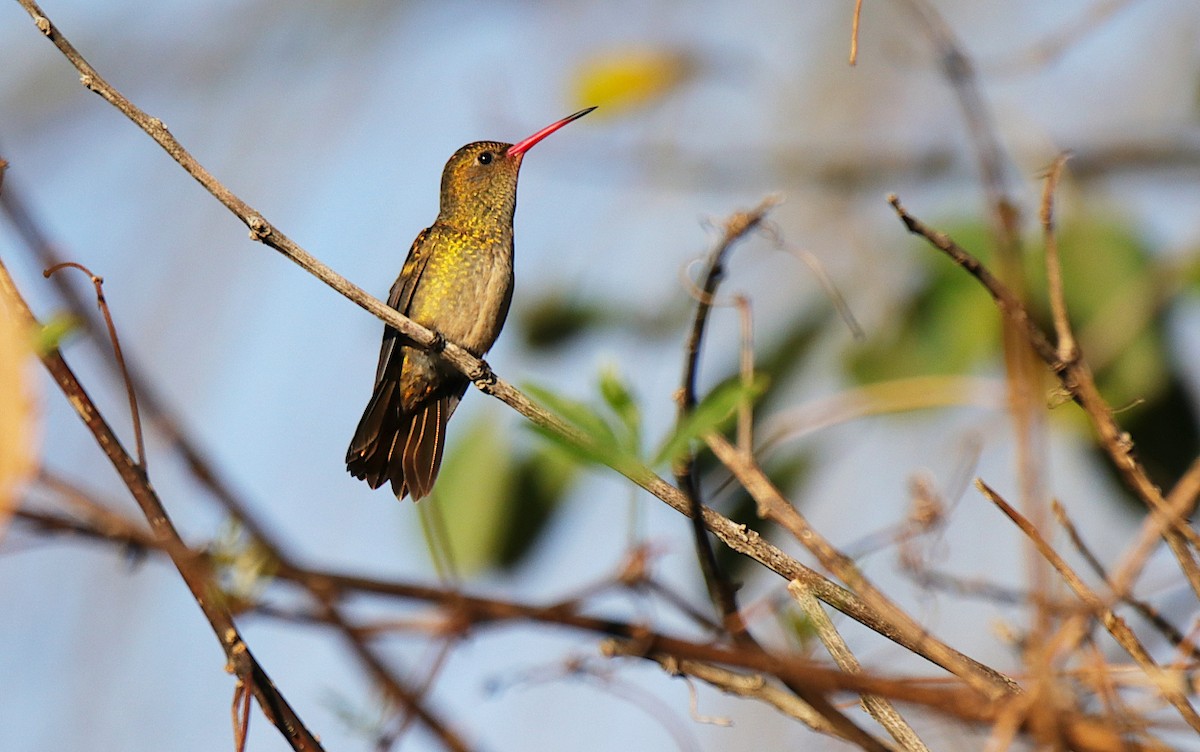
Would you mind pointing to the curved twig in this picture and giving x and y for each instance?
(102, 303)
(720, 589)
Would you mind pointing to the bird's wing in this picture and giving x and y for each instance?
(400, 299)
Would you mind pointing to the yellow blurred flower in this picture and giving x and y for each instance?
(624, 79)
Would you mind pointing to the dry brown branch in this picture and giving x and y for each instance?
(1171, 687)
(959, 72)
(465, 611)
(774, 507)
(241, 715)
(1147, 612)
(1181, 502)
(879, 708)
(1076, 377)
(1076, 731)
(854, 32)
(1067, 349)
(754, 686)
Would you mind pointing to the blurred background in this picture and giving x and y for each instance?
(334, 119)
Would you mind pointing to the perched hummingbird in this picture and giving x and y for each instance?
(457, 281)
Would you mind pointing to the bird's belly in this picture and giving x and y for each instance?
(466, 299)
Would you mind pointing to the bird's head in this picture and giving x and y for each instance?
(479, 183)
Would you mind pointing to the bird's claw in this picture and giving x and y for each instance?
(483, 376)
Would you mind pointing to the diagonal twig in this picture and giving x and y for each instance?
(880, 708)
(773, 506)
(1067, 349)
(1147, 612)
(1170, 687)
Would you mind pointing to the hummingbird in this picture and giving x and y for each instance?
(457, 281)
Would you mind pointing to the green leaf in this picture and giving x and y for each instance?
(51, 334)
(601, 444)
(541, 481)
(947, 326)
(620, 400)
(798, 626)
(1114, 307)
(495, 501)
(557, 318)
(712, 414)
(474, 494)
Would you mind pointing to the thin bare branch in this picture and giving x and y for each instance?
(959, 72)
(754, 686)
(1067, 349)
(1147, 612)
(102, 303)
(1077, 731)
(241, 715)
(773, 506)
(879, 708)
(854, 32)
(1181, 502)
(1171, 687)
(955, 701)
(1076, 377)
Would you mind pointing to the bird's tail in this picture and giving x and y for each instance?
(404, 447)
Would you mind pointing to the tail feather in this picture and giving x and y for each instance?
(422, 455)
(398, 446)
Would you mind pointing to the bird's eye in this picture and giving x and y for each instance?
(485, 157)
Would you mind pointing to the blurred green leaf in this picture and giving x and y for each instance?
(496, 503)
(713, 413)
(51, 334)
(602, 445)
(474, 494)
(244, 566)
(620, 400)
(556, 319)
(1110, 289)
(540, 483)
(946, 326)
(1188, 274)
(1116, 296)
(797, 626)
